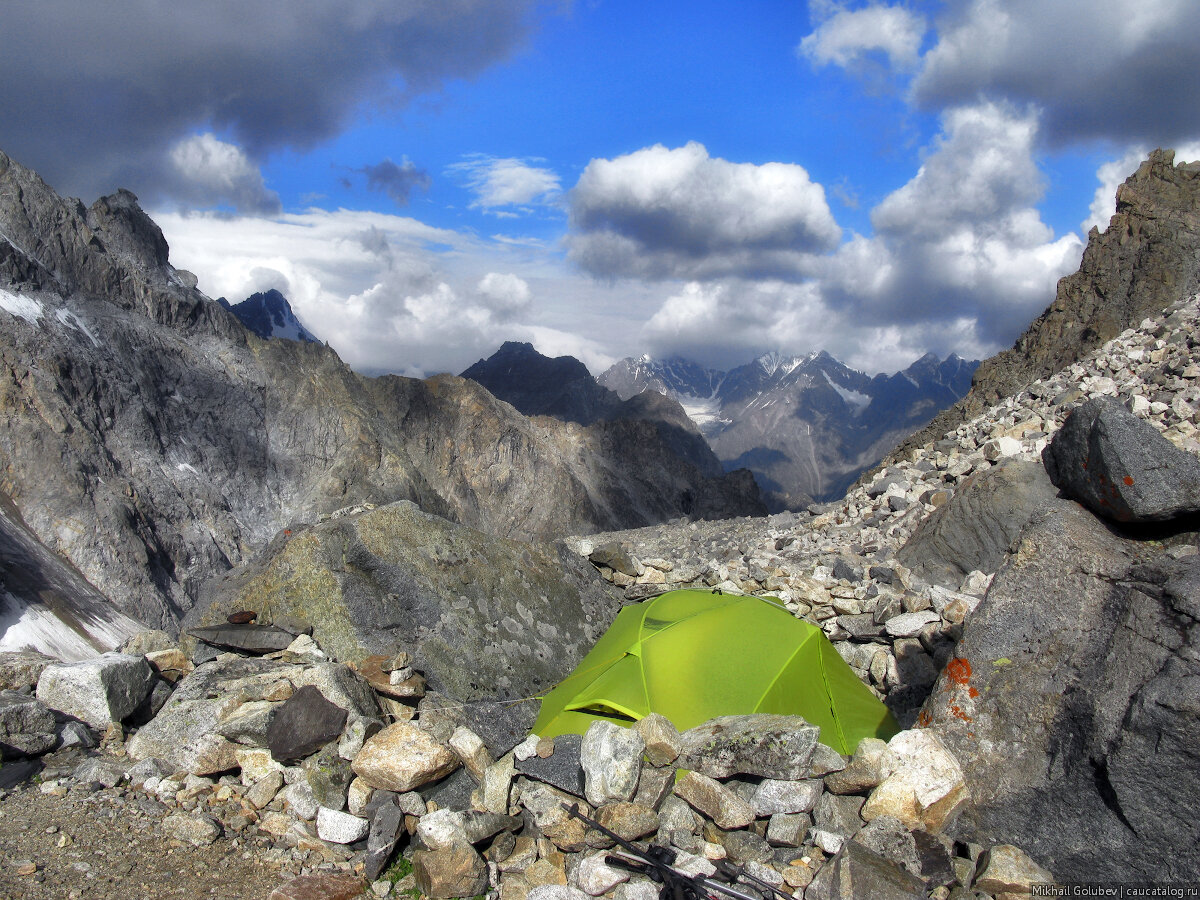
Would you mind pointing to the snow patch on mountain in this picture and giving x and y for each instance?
(21, 307)
(856, 399)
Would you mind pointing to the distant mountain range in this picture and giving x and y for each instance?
(806, 426)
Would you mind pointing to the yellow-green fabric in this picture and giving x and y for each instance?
(691, 655)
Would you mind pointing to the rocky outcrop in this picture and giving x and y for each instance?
(151, 440)
(1146, 259)
(486, 619)
(1072, 703)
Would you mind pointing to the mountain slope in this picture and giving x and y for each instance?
(152, 440)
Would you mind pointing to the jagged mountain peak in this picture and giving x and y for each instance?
(269, 315)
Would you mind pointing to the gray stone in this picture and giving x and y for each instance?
(548, 808)
(479, 826)
(788, 829)
(772, 746)
(386, 823)
(305, 723)
(857, 873)
(98, 770)
(976, 527)
(1074, 717)
(714, 800)
(611, 757)
(99, 691)
(328, 776)
(742, 847)
(264, 790)
(339, 827)
(595, 877)
(22, 668)
(772, 797)
(841, 815)
(909, 624)
(26, 725)
(196, 829)
(1120, 467)
(870, 765)
(561, 768)
(186, 732)
(246, 638)
(617, 557)
(662, 738)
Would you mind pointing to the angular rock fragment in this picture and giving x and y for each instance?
(611, 757)
(305, 723)
(772, 746)
(99, 691)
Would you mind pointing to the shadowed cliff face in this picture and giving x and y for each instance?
(154, 442)
(1147, 258)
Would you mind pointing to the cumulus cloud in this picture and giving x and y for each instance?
(397, 181)
(210, 172)
(963, 238)
(507, 182)
(125, 82)
(960, 261)
(679, 213)
(847, 37)
(504, 293)
(1121, 70)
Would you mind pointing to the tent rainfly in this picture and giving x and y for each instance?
(692, 655)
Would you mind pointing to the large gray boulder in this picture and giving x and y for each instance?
(1073, 704)
(484, 618)
(98, 691)
(1120, 467)
(973, 531)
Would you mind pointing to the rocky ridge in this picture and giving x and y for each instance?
(151, 440)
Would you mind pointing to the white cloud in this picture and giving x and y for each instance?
(679, 213)
(210, 172)
(1114, 172)
(846, 37)
(507, 182)
(962, 239)
(504, 293)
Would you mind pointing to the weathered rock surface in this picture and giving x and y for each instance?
(303, 724)
(403, 757)
(779, 747)
(973, 531)
(26, 725)
(1120, 467)
(483, 618)
(1070, 714)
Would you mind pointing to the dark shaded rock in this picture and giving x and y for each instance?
(246, 638)
(561, 768)
(857, 873)
(1073, 704)
(1120, 467)
(26, 726)
(862, 627)
(304, 724)
(618, 557)
(839, 814)
(842, 570)
(973, 531)
(387, 820)
(452, 792)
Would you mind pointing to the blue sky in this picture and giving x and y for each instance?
(425, 180)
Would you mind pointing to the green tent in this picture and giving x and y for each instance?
(691, 655)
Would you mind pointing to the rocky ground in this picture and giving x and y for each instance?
(892, 574)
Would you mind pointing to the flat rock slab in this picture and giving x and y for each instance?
(772, 746)
(247, 638)
(561, 768)
(320, 887)
(26, 725)
(857, 873)
(305, 723)
(1119, 466)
